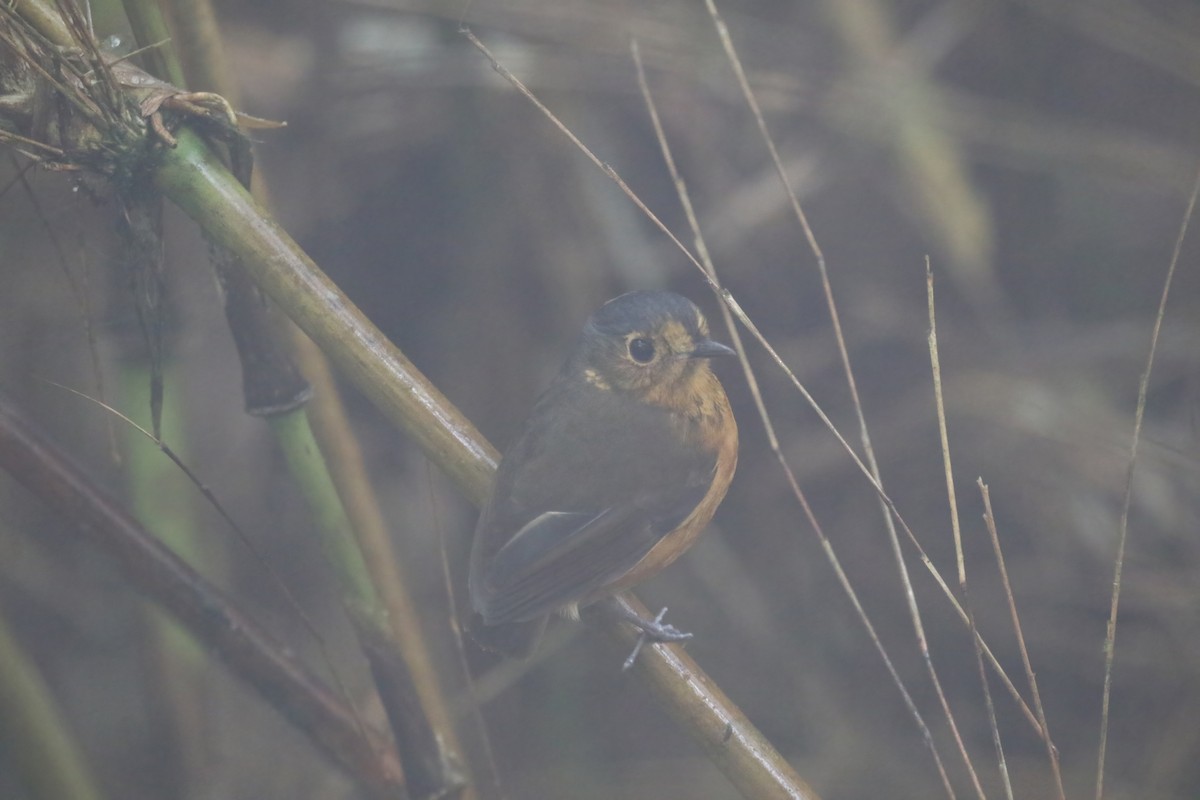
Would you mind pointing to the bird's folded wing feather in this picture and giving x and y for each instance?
(560, 557)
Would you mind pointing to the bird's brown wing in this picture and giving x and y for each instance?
(560, 557)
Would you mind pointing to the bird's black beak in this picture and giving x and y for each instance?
(707, 348)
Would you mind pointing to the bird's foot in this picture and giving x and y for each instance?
(652, 630)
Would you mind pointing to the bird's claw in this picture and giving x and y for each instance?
(654, 630)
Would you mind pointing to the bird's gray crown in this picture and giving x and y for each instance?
(645, 311)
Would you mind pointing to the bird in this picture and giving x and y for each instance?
(618, 469)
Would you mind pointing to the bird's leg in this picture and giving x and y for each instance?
(653, 630)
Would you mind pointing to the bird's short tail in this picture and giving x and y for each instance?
(513, 639)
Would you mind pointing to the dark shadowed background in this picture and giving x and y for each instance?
(1039, 153)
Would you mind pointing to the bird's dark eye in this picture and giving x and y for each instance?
(641, 350)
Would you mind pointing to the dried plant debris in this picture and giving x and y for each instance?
(88, 108)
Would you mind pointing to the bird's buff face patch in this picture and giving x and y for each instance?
(679, 341)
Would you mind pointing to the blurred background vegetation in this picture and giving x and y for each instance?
(1040, 152)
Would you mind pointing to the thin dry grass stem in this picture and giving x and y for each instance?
(943, 433)
(1026, 711)
(887, 508)
(989, 520)
(109, 94)
(1138, 416)
(739, 313)
(685, 200)
(132, 54)
(257, 554)
(1001, 762)
(843, 352)
(77, 99)
(844, 580)
(769, 427)
(748, 94)
(17, 141)
(955, 527)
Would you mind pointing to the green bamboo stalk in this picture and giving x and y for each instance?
(431, 770)
(337, 440)
(309, 470)
(151, 31)
(274, 389)
(157, 496)
(199, 184)
(162, 502)
(37, 741)
(198, 43)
